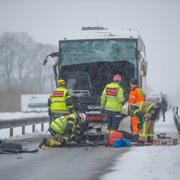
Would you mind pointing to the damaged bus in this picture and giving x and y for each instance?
(87, 61)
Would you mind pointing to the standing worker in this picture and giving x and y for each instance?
(136, 96)
(111, 101)
(147, 112)
(163, 105)
(60, 102)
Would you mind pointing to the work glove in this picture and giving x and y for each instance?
(68, 128)
(64, 140)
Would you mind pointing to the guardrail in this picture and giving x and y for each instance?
(22, 123)
(176, 118)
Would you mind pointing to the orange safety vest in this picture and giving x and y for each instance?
(136, 96)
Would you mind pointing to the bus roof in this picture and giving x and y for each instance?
(100, 34)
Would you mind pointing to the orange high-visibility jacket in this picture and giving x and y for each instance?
(136, 96)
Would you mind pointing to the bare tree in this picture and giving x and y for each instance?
(42, 74)
(21, 69)
(21, 63)
(6, 60)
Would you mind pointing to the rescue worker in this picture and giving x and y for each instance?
(136, 96)
(62, 129)
(111, 101)
(163, 105)
(60, 102)
(147, 112)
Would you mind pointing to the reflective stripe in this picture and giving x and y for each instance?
(117, 109)
(140, 106)
(74, 115)
(132, 97)
(59, 112)
(150, 107)
(115, 98)
(143, 134)
(136, 111)
(121, 98)
(58, 125)
(71, 106)
(58, 101)
(150, 135)
(71, 122)
(61, 119)
(103, 96)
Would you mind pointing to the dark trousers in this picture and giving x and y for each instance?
(113, 120)
(163, 114)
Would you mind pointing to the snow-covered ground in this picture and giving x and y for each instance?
(21, 115)
(150, 162)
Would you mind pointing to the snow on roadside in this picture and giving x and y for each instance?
(21, 115)
(4, 133)
(150, 162)
(168, 126)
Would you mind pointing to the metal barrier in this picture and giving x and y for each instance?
(22, 123)
(176, 118)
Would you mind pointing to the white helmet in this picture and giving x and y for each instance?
(83, 117)
(125, 109)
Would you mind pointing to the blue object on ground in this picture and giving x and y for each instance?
(121, 143)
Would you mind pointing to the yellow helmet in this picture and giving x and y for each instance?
(60, 82)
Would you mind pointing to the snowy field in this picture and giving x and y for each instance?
(150, 162)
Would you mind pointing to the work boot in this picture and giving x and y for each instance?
(52, 143)
(141, 143)
(135, 137)
(42, 142)
(150, 140)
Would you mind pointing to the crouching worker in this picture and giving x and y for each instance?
(147, 112)
(62, 129)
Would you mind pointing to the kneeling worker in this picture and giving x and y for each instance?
(62, 129)
(147, 112)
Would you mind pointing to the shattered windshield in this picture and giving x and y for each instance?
(76, 80)
(86, 51)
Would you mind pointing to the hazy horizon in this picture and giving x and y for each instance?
(156, 20)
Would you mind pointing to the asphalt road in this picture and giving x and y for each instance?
(60, 164)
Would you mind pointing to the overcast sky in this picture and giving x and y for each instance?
(158, 22)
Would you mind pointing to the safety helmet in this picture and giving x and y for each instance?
(125, 109)
(82, 117)
(60, 82)
(134, 82)
(117, 78)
